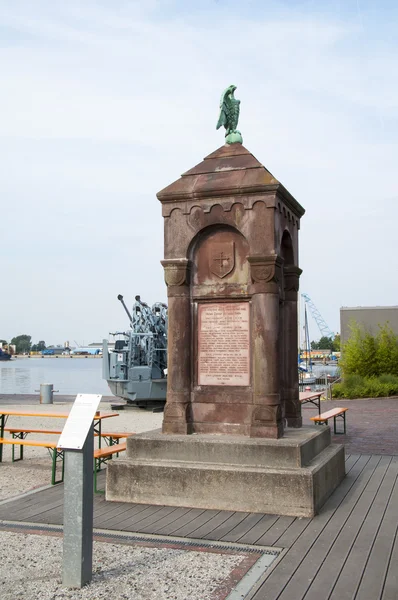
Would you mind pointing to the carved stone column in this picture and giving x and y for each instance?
(177, 418)
(267, 418)
(292, 402)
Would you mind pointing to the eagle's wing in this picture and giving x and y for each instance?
(222, 119)
(235, 107)
(225, 109)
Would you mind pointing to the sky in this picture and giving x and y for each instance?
(105, 103)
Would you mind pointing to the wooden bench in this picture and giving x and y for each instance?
(115, 437)
(55, 453)
(21, 433)
(102, 455)
(332, 414)
(313, 398)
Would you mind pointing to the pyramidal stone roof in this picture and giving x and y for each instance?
(230, 170)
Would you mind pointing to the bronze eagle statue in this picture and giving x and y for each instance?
(229, 115)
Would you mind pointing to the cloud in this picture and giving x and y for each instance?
(105, 104)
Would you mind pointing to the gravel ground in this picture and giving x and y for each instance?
(35, 470)
(31, 566)
(31, 569)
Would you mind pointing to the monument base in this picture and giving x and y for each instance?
(290, 476)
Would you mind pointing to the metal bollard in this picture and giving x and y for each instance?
(46, 393)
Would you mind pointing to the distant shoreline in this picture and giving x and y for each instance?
(35, 398)
(38, 356)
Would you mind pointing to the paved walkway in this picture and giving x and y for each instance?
(372, 425)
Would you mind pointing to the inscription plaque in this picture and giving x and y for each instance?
(224, 343)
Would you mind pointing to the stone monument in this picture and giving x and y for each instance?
(232, 275)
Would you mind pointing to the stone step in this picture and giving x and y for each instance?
(290, 491)
(296, 449)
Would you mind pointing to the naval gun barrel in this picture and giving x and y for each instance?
(120, 298)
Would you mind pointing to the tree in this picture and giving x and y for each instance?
(387, 350)
(39, 347)
(3, 341)
(22, 343)
(360, 353)
(325, 343)
(336, 343)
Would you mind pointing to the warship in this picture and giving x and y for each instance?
(136, 368)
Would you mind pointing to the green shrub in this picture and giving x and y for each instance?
(369, 356)
(389, 378)
(355, 386)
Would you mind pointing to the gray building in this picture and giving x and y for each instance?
(368, 316)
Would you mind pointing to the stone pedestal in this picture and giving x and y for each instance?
(291, 476)
(232, 274)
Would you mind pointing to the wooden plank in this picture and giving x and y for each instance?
(346, 523)
(16, 508)
(107, 508)
(50, 517)
(271, 537)
(108, 519)
(192, 517)
(259, 529)
(130, 522)
(243, 527)
(225, 527)
(351, 574)
(39, 511)
(329, 414)
(172, 518)
(391, 582)
(152, 520)
(350, 460)
(293, 532)
(131, 517)
(379, 567)
(204, 531)
(278, 578)
(26, 513)
(295, 526)
(352, 511)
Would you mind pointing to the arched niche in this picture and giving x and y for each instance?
(287, 252)
(218, 255)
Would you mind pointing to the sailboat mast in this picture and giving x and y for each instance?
(307, 341)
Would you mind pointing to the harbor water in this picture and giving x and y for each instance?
(72, 375)
(69, 375)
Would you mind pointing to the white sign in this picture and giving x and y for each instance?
(79, 421)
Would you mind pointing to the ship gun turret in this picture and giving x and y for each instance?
(136, 368)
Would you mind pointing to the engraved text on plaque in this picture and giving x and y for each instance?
(224, 343)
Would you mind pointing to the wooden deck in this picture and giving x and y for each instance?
(349, 551)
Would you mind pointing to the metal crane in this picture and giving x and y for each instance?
(316, 315)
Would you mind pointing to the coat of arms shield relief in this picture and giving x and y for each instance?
(222, 258)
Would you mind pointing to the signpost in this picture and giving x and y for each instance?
(77, 440)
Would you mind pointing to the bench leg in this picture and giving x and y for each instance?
(55, 455)
(17, 436)
(335, 424)
(97, 467)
